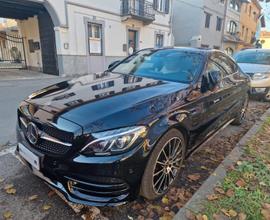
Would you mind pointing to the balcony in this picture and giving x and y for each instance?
(137, 9)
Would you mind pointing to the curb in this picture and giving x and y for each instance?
(195, 203)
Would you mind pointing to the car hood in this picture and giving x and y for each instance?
(106, 101)
(254, 68)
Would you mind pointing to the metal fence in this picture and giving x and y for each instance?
(12, 51)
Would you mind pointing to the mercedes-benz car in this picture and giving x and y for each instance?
(256, 63)
(104, 139)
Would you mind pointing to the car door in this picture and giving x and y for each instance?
(213, 103)
(232, 90)
(206, 107)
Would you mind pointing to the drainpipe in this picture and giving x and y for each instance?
(172, 43)
(224, 24)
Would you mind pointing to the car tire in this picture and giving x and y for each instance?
(242, 113)
(164, 165)
(267, 96)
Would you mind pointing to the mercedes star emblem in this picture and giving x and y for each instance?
(32, 133)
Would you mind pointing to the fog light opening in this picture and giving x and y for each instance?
(70, 185)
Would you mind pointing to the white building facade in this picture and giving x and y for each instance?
(231, 37)
(89, 35)
(198, 23)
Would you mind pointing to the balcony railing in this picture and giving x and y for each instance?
(138, 9)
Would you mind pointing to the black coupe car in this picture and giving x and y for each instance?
(103, 139)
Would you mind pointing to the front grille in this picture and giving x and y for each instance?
(56, 133)
(50, 147)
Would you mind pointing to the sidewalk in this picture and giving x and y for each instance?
(16, 74)
(239, 187)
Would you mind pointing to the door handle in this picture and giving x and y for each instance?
(217, 100)
(193, 111)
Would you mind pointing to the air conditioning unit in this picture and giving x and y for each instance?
(196, 41)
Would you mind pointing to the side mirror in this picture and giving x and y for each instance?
(214, 78)
(210, 81)
(114, 63)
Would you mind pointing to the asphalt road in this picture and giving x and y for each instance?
(26, 185)
(13, 172)
(11, 94)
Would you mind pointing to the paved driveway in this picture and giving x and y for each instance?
(15, 74)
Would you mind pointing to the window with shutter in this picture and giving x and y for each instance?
(167, 6)
(207, 20)
(95, 39)
(219, 24)
(162, 6)
(159, 41)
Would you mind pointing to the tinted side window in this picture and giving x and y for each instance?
(217, 74)
(226, 63)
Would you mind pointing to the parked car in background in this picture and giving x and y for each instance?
(103, 139)
(256, 63)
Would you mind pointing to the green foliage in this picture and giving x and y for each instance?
(255, 172)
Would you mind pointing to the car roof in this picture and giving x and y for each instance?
(204, 51)
(254, 50)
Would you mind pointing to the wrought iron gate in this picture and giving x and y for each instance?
(12, 52)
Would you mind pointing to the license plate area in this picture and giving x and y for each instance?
(260, 90)
(29, 156)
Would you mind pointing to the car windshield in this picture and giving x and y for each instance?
(169, 64)
(254, 57)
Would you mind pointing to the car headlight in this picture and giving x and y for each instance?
(114, 141)
(260, 76)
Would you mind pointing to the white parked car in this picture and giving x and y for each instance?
(256, 63)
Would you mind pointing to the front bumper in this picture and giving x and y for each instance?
(259, 91)
(262, 83)
(94, 181)
(260, 88)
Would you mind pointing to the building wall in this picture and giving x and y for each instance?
(250, 13)
(30, 31)
(265, 38)
(189, 22)
(211, 36)
(232, 15)
(72, 35)
(72, 41)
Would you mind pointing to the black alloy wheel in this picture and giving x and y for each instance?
(164, 165)
(242, 113)
(167, 165)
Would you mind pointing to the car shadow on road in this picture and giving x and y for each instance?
(195, 171)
